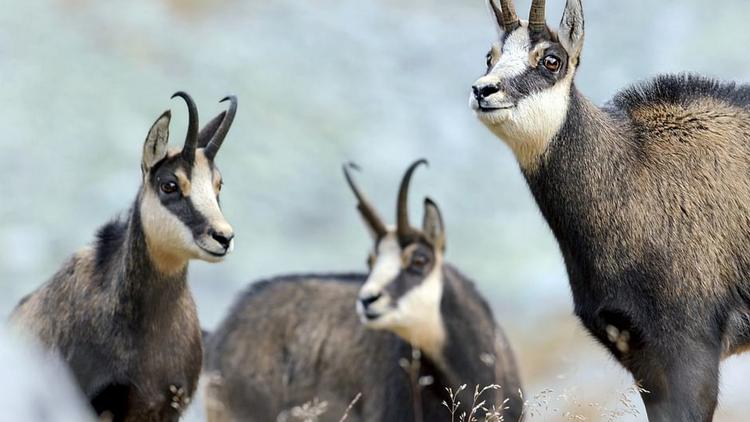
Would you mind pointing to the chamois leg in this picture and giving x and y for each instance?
(682, 385)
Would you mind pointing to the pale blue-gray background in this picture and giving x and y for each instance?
(321, 82)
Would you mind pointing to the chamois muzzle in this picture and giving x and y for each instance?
(222, 238)
(483, 91)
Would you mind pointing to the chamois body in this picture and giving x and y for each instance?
(648, 197)
(127, 332)
(120, 313)
(292, 339)
(649, 200)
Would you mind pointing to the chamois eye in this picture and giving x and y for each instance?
(551, 63)
(419, 261)
(169, 187)
(489, 59)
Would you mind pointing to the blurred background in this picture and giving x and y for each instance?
(320, 82)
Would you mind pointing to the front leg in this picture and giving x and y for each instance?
(682, 386)
(179, 398)
(166, 405)
(677, 366)
(679, 376)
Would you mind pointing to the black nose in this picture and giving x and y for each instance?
(484, 91)
(223, 238)
(368, 300)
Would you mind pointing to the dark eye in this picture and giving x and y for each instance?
(419, 261)
(551, 63)
(489, 60)
(169, 187)
(370, 260)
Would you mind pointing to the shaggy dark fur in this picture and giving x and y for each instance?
(292, 339)
(649, 199)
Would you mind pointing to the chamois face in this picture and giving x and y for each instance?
(404, 288)
(179, 204)
(524, 94)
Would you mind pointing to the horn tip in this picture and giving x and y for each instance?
(178, 94)
(230, 97)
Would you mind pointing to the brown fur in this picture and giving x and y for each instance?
(290, 340)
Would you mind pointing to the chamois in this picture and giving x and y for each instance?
(291, 339)
(648, 197)
(120, 312)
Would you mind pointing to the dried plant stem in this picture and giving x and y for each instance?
(350, 407)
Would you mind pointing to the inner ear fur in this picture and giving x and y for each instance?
(571, 31)
(432, 225)
(155, 146)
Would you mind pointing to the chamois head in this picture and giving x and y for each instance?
(524, 95)
(179, 204)
(404, 288)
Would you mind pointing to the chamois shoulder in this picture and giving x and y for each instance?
(683, 90)
(466, 287)
(109, 239)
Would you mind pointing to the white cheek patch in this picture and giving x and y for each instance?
(203, 195)
(418, 318)
(386, 268)
(170, 242)
(536, 119)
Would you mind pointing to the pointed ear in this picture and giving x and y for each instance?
(155, 147)
(205, 135)
(571, 29)
(432, 225)
(497, 16)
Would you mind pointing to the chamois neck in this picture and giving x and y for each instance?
(468, 353)
(582, 173)
(140, 285)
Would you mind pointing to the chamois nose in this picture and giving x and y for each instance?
(224, 239)
(369, 300)
(484, 91)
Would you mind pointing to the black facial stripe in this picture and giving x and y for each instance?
(180, 206)
(537, 78)
(525, 84)
(407, 280)
(184, 209)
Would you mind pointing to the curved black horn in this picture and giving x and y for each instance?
(537, 22)
(365, 208)
(191, 139)
(510, 19)
(215, 143)
(403, 228)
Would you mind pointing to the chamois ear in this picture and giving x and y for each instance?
(155, 147)
(571, 29)
(205, 135)
(432, 225)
